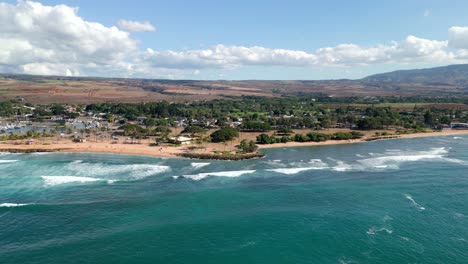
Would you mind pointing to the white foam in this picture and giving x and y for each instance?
(291, 171)
(136, 171)
(198, 165)
(229, 174)
(396, 157)
(418, 206)
(374, 230)
(387, 218)
(457, 161)
(13, 205)
(457, 138)
(342, 166)
(275, 163)
(7, 161)
(58, 180)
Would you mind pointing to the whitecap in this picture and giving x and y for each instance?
(374, 230)
(418, 206)
(342, 166)
(8, 161)
(290, 171)
(229, 174)
(136, 171)
(457, 138)
(387, 218)
(198, 165)
(58, 180)
(404, 238)
(13, 204)
(457, 161)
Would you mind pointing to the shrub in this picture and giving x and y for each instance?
(224, 134)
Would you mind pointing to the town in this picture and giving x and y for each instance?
(227, 127)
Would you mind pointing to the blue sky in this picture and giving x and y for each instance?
(305, 26)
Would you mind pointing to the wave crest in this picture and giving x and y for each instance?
(58, 180)
(229, 174)
(8, 205)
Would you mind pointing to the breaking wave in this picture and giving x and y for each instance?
(8, 161)
(374, 230)
(198, 165)
(13, 204)
(290, 171)
(297, 167)
(136, 171)
(58, 180)
(229, 174)
(391, 159)
(418, 206)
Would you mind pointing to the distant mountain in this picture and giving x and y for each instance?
(441, 81)
(456, 75)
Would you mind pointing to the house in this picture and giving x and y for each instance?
(30, 142)
(459, 125)
(181, 140)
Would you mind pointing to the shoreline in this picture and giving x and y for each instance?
(66, 146)
(363, 140)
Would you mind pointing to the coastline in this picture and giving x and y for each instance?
(144, 149)
(362, 140)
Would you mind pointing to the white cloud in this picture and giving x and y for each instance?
(136, 26)
(42, 39)
(412, 49)
(55, 40)
(222, 56)
(458, 37)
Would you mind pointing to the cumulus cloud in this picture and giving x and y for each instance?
(136, 26)
(412, 49)
(55, 40)
(222, 56)
(458, 37)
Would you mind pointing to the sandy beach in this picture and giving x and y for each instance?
(144, 148)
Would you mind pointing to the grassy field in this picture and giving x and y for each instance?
(37, 89)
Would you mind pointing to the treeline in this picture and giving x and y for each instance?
(309, 137)
(260, 114)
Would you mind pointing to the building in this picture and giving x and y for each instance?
(459, 125)
(181, 140)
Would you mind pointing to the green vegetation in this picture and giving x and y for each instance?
(224, 134)
(256, 126)
(247, 146)
(309, 137)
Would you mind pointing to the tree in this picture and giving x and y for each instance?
(224, 134)
(429, 118)
(284, 131)
(265, 139)
(317, 137)
(194, 130)
(247, 146)
(256, 126)
(57, 109)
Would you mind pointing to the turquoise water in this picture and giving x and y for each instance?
(396, 201)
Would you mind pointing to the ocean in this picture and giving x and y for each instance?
(394, 201)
